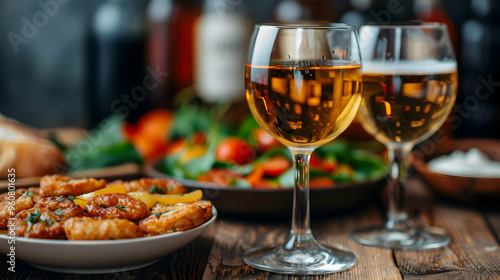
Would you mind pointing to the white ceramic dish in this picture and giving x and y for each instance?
(106, 256)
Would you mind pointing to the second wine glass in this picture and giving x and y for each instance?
(303, 86)
(410, 85)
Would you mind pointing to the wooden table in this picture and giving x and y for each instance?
(474, 252)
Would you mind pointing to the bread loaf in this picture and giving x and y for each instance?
(25, 149)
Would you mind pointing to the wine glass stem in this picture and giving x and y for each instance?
(397, 217)
(301, 231)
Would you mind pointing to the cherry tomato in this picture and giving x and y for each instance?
(155, 125)
(150, 135)
(276, 165)
(234, 150)
(149, 148)
(264, 140)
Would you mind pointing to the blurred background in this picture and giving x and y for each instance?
(74, 62)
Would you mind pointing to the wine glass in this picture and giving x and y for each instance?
(410, 85)
(303, 86)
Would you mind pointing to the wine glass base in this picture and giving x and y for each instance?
(414, 239)
(316, 260)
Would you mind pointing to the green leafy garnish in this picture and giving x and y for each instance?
(173, 229)
(60, 198)
(102, 205)
(32, 218)
(58, 212)
(190, 119)
(72, 198)
(27, 194)
(104, 146)
(156, 189)
(120, 207)
(47, 221)
(192, 169)
(158, 214)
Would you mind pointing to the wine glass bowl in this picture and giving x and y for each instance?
(410, 84)
(303, 86)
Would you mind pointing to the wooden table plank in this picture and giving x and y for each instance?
(493, 219)
(372, 263)
(470, 255)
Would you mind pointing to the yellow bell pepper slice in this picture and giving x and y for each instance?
(178, 198)
(144, 197)
(112, 189)
(82, 199)
(81, 202)
(194, 152)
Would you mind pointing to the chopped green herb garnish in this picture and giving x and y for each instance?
(27, 194)
(60, 198)
(72, 198)
(84, 179)
(58, 212)
(159, 214)
(71, 181)
(120, 207)
(173, 229)
(32, 218)
(102, 206)
(48, 221)
(156, 189)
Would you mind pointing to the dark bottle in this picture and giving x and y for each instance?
(116, 64)
(478, 110)
(171, 45)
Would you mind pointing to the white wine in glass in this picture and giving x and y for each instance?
(410, 85)
(303, 85)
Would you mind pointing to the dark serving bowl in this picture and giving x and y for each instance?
(278, 202)
(460, 188)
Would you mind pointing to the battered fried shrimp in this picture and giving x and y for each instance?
(38, 223)
(34, 193)
(62, 207)
(20, 204)
(56, 185)
(178, 217)
(114, 183)
(116, 206)
(92, 229)
(157, 186)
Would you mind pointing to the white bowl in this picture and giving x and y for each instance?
(102, 256)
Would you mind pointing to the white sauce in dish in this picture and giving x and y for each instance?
(472, 163)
